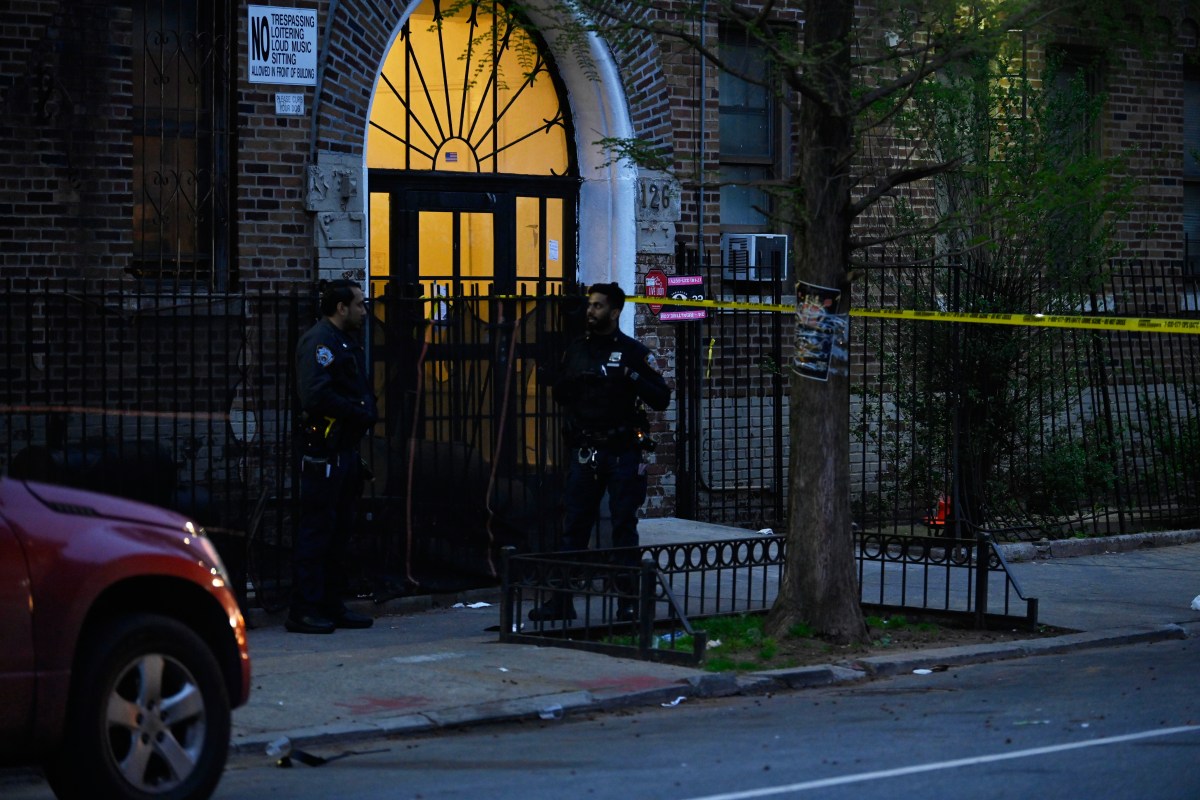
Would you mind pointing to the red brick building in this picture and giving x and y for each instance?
(225, 148)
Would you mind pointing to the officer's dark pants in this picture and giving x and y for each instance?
(618, 471)
(327, 511)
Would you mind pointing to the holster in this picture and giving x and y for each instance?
(319, 436)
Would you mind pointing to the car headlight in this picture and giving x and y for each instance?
(211, 558)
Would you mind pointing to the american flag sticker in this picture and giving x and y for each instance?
(451, 157)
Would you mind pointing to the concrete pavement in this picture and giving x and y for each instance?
(427, 664)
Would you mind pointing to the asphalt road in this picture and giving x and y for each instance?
(1117, 723)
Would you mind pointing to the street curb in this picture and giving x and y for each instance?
(1094, 546)
(715, 684)
(883, 666)
(553, 707)
(801, 678)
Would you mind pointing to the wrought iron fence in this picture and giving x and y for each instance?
(732, 395)
(1022, 432)
(1026, 432)
(682, 583)
(467, 459)
(184, 399)
(966, 579)
(173, 398)
(598, 582)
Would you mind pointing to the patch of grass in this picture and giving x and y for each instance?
(801, 630)
(887, 626)
(898, 623)
(739, 644)
(715, 663)
(740, 632)
(621, 641)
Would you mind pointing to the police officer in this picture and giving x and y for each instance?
(606, 377)
(337, 408)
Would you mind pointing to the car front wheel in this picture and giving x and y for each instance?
(149, 715)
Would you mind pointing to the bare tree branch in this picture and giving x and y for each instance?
(899, 178)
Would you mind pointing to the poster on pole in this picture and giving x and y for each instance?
(817, 327)
(282, 45)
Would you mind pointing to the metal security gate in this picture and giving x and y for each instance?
(1099, 432)
(733, 404)
(467, 460)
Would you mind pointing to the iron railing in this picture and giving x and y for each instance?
(184, 138)
(467, 459)
(189, 393)
(967, 582)
(596, 583)
(185, 400)
(1026, 432)
(177, 399)
(732, 396)
(1022, 432)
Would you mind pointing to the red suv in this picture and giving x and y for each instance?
(123, 648)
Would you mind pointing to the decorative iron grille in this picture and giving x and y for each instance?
(182, 142)
(471, 89)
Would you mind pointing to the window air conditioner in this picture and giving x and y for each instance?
(754, 256)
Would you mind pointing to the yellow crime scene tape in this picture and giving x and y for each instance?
(1138, 324)
(730, 305)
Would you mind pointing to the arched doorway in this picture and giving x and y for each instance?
(474, 192)
(471, 157)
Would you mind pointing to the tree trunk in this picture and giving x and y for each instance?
(820, 583)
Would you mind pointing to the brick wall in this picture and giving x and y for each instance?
(66, 146)
(64, 139)
(65, 134)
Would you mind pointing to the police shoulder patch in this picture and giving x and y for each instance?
(324, 356)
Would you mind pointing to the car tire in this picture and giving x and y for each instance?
(149, 715)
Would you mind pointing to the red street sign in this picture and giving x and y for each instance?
(656, 286)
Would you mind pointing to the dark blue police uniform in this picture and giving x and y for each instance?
(338, 408)
(605, 378)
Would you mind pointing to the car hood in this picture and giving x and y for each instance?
(66, 500)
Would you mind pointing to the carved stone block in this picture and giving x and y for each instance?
(658, 197)
(333, 184)
(336, 230)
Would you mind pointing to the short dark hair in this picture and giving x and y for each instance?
(339, 291)
(614, 293)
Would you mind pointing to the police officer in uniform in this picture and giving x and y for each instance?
(606, 377)
(338, 408)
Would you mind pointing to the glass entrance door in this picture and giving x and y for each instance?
(474, 188)
(516, 239)
(456, 254)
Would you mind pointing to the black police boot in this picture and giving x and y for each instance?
(298, 622)
(626, 586)
(559, 607)
(345, 618)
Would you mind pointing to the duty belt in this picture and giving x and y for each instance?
(613, 437)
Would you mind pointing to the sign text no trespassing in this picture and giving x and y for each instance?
(282, 45)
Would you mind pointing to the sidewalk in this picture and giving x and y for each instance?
(427, 665)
